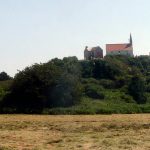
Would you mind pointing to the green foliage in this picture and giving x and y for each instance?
(115, 84)
(5, 88)
(116, 96)
(56, 83)
(137, 88)
(4, 76)
(145, 108)
(2, 94)
(30, 87)
(148, 87)
(108, 84)
(122, 81)
(87, 68)
(147, 95)
(105, 70)
(92, 88)
(89, 81)
(67, 91)
(68, 88)
(6, 85)
(88, 106)
(94, 91)
(127, 98)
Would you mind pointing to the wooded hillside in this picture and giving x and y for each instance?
(115, 84)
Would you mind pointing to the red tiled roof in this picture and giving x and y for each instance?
(118, 47)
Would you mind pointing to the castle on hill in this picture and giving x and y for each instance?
(93, 53)
(111, 49)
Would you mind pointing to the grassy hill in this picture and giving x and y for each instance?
(115, 84)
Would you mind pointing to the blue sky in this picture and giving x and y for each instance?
(34, 31)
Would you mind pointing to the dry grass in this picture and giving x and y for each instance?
(99, 132)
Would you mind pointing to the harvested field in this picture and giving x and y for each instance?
(94, 132)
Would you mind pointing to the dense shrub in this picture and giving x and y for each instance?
(92, 88)
(105, 70)
(2, 93)
(108, 84)
(89, 81)
(127, 98)
(93, 93)
(137, 89)
(148, 87)
(87, 68)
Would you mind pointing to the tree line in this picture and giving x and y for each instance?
(65, 82)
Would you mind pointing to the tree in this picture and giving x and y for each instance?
(52, 84)
(67, 91)
(137, 88)
(105, 70)
(87, 68)
(4, 76)
(30, 88)
(68, 88)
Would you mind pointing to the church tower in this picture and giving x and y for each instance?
(120, 49)
(131, 39)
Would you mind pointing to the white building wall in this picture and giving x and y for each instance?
(121, 52)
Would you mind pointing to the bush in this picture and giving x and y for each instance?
(87, 68)
(4, 89)
(137, 89)
(145, 108)
(127, 98)
(148, 88)
(90, 81)
(122, 81)
(2, 93)
(94, 91)
(88, 106)
(108, 84)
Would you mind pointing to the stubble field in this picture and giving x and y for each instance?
(89, 132)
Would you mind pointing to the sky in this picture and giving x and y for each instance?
(35, 31)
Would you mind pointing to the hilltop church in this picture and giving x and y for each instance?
(120, 49)
(111, 49)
